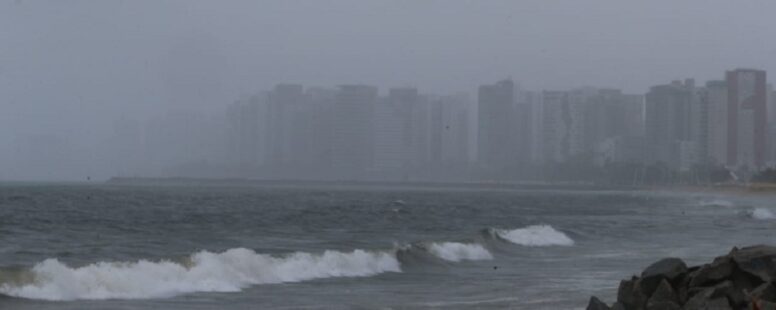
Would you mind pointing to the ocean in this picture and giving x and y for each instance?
(86, 246)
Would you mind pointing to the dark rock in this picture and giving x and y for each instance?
(667, 268)
(664, 293)
(712, 273)
(682, 285)
(705, 301)
(630, 294)
(596, 304)
(664, 298)
(765, 291)
(744, 280)
(720, 303)
(759, 261)
(699, 299)
(763, 305)
(663, 306)
(618, 306)
(733, 293)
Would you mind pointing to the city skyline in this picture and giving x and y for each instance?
(358, 131)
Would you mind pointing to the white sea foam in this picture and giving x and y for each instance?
(229, 271)
(535, 235)
(456, 252)
(717, 203)
(762, 214)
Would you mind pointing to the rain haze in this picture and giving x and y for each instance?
(73, 71)
(358, 154)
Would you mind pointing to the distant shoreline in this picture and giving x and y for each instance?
(280, 183)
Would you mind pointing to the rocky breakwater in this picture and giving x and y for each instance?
(743, 279)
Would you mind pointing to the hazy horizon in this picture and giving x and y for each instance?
(75, 68)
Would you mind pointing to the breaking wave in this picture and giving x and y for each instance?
(761, 214)
(238, 268)
(534, 235)
(456, 252)
(229, 271)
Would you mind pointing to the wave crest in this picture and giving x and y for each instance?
(534, 235)
(456, 252)
(229, 271)
(760, 214)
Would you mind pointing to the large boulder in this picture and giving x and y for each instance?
(596, 304)
(712, 273)
(762, 305)
(630, 294)
(759, 261)
(667, 268)
(664, 297)
(765, 291)
(743, 279)
(707, 299)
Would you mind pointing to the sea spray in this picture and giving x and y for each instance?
(229, 271)
(762, 214)
(717, 203)
(535, 235)
(456, 252)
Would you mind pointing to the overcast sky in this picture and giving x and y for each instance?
(72, 67)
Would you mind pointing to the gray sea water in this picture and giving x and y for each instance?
(136, 247)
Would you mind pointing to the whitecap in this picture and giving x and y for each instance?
(762, 214)
(456, 252)
(229, 271)
(535, 235)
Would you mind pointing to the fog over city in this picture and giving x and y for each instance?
(600, 91)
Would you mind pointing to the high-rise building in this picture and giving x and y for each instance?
(449, 130)
(495, 123)
(246, 131)
(556, 126)
(288, 121)
(322, 102)
(747, 118)
(523, 128)
(352, 130)
(566, 131)
(771, 158)
(715, 96)
(634, 115)
(392, 145)
(402, 133)
(668, 121)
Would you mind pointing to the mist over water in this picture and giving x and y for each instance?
(199, 154)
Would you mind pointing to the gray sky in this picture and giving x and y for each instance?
(73, 67)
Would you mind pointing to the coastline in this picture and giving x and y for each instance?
(291, 183)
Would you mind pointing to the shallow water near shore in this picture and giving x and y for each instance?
(135, 247)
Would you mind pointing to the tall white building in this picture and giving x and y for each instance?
(716, 101)
(747, 118)
(668, 121)
(352, 139)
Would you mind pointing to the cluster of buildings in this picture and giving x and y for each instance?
(351, 132)
(356, 132)
(680, 125)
